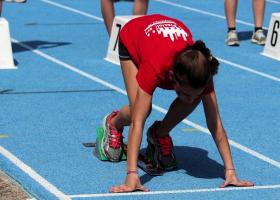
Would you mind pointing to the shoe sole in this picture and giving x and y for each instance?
(234, 44)
(103, 138)
(257, 42)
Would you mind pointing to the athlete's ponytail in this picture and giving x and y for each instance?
(195, 65)
(213, 62)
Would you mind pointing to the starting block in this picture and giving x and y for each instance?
(6, 54)
(272, 45)
(143, 163)
(113, 50)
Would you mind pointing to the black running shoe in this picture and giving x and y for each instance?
(160, 150)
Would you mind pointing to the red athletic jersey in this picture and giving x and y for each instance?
(153, 42)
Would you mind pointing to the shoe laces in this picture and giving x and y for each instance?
(259, 34)
(232, 35)
(115, 136)
(165, 144)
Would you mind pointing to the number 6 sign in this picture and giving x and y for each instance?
(272, 45)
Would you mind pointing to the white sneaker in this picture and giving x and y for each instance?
(258, 37)
(112, 139)
(16, 1)
(232, 38)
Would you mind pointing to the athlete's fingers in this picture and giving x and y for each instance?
(142, 188)
(119, 188)
(237, 184)
(245, 184)
(225, 184)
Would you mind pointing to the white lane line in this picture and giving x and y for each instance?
(73, 10)
(34, 175)
(265, 187)
(160, 1)
(271, 1)
(274, 78)
(204, 12)
(158, 108)
(237, 145)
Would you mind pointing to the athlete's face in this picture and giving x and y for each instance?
(186, 93)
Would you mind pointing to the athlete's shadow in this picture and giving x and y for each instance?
(36, 44)
(195, 162)
(247, 35)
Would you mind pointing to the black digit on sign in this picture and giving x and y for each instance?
(274, 35)
(119, 26)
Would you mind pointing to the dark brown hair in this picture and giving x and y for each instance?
(195, 65)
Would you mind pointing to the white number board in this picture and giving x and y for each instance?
(113, 47)
(272, 45)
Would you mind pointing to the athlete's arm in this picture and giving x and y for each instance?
(217, 130)
(140, 112)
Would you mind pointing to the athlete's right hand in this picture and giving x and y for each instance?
(132, 183)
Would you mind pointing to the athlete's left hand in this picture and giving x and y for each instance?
(232, 180)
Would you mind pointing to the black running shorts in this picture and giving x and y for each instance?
(123, 52)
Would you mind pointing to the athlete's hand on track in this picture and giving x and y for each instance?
(132, 183)
(232, 180)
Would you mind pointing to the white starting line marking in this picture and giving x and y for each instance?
(175, 191)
